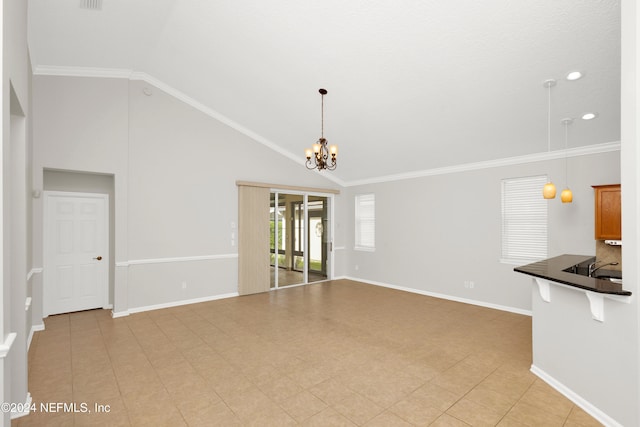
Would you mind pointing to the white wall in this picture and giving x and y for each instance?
(434, 233)
(15, 116)
(175, 170)
(630, 155)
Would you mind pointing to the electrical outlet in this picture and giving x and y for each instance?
(357, 267)
(469, 284)
(184, 285)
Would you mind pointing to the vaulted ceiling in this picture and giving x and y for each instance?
(413, 85)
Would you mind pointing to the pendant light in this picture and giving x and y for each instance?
(549, 189)
(566, 196)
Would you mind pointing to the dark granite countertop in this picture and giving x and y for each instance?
(553, 269)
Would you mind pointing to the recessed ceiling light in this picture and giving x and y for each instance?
(589, 116)
(574, 75)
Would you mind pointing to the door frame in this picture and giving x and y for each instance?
(46, 242)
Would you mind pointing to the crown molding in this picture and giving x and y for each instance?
(53, 70)
(509, 161)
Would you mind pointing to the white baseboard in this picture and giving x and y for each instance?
(116, 314)
(26, 408)
(174, 304)
(575, 398)
(34, 329)
(443, 296)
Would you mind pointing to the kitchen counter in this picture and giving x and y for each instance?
(553, 269)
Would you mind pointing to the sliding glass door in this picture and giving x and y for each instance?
(300, 238)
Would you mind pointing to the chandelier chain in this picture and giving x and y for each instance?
(322, 116)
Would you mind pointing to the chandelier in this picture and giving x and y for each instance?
(320, 152)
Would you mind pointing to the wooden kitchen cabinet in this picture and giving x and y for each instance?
(608, 212)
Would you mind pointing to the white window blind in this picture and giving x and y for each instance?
(524, 220)
(365, 222)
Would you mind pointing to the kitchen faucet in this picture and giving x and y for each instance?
(593, 268)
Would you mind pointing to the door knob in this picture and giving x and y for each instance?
(99, 258)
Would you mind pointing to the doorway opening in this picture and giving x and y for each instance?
(300, 238)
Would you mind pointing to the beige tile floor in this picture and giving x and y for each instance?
(336, 353)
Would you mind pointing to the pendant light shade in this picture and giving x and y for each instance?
(566, 196)
(549, 190)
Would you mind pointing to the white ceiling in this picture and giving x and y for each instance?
(413, 85)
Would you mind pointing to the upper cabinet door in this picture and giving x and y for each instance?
(608, 212)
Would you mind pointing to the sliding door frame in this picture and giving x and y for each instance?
(305, 244)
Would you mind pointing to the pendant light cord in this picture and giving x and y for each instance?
(566, 161)
(549, 119)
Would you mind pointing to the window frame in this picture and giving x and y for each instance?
(361, 200)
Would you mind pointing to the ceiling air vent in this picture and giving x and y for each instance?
(91, 4)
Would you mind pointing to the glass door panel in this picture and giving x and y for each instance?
(287, 228)
(277, 236)
(294, 273)
(319, 238)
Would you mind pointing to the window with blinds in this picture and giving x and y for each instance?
(365, 222)
(524, 220)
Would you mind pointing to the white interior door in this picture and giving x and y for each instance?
(76, 249)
